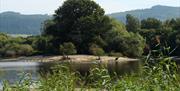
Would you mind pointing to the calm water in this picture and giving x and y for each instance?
(13, 71)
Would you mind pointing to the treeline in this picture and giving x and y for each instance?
(162, 37)
(81, 27)
(14, 46)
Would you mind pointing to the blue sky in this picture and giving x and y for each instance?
(110, 6)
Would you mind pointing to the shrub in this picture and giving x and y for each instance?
(62, 79)
(14, 50)
(116, 54)
(67, 48)
(99, 78)
(96, 50)
(10, 53)
(3, 39)
(42, 44)
(25, 49)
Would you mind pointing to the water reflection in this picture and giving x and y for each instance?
(12, 71)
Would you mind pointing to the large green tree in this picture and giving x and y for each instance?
(79, 22)
(121, 41)
(151, 23)
(132, 23)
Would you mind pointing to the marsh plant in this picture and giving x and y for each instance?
(24, 84)
(160, 75)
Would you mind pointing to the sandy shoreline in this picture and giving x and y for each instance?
(75, 58)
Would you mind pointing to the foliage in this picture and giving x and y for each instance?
(24, 84)
(130, 45)
(3, 39)
(43, 44)
(14, 46)
(80, 22)
(67, 49)
(15, 50)
(84, 23)
(61, 80)
(132, 23)
(115, 54)
(155, 77)
(99, 78)
(165, 34)
(96, 50)
(151, 23)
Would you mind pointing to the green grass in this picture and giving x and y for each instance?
(160, 76)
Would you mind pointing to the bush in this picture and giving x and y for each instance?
(10, 53)
(62, 79)
(42, 44)
(96, 50)
(25, 49)
(3, 39)
(116, 54)
(14, 50)
(67, 48)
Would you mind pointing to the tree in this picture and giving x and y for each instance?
(96, 50)
(132, 23)
(118, 29)
(3, 39)
(43, 44)
(67, 49)
(25, 50)
(79, 22)
(130, 45)
(173, 23)
(121, 42)
(151, 23)
(178, 39)
(174, 40)
(177, 25)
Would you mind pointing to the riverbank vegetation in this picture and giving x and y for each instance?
(84, 25)
(155, 75)
(14, 46)
(81, 27)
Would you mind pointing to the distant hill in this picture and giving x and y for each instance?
(16, 23)
(160, 12)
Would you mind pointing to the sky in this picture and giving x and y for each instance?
(49, 6)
